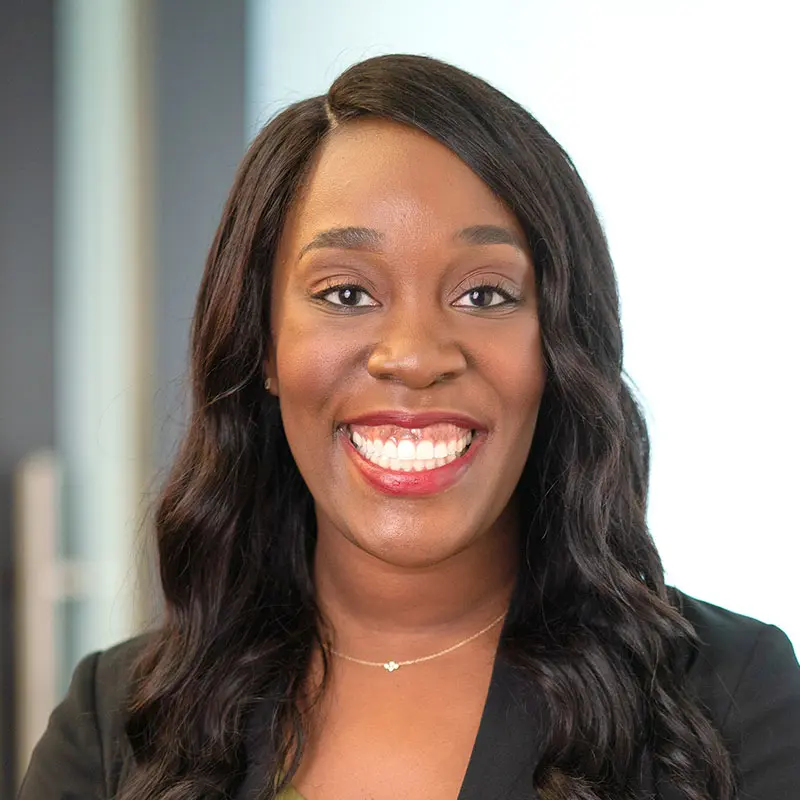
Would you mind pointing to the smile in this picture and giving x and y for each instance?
(412, 456)
(410, 450)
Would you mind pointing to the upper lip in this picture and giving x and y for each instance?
(415, 419)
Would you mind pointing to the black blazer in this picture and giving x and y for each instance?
(745, 673)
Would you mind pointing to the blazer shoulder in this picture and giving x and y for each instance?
(84, 748)
(113, 686)
(113, 674)
(725, 637)
(746, 674)
(731, 649)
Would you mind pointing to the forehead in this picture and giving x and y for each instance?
(396, 179)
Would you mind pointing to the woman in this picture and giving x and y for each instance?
(403, 548)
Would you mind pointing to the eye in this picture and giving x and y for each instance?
(346, 296)
(486, 297)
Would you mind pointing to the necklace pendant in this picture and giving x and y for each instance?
(391, 666)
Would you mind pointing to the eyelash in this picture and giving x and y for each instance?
(509, 296)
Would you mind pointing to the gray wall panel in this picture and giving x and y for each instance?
(200, 138)
(26, 288)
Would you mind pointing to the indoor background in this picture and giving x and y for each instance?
(121, 124)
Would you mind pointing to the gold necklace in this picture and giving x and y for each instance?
(391, 665)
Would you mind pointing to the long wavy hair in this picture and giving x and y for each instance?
(592, 624)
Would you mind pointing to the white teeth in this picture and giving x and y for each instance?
(425, 450)
(406, 450)
(406, 456)
(390, 450)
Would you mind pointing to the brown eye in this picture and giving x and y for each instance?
(485, 297)
(347, 296)
(481, 297)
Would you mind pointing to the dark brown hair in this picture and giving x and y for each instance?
(591, 622)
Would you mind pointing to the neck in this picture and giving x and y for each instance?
(372, 606)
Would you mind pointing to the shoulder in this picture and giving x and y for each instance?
(112, 670)
(733, 651)
(746, 675)
(83, 749)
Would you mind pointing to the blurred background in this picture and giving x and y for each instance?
(121, 125)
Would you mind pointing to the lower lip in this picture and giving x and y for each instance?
(413, 484)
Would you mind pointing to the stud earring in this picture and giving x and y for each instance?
(267, 384)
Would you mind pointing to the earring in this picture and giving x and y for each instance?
(267, 384)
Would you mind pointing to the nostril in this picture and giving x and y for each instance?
(418, 362)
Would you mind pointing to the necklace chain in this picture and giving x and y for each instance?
(391, 665)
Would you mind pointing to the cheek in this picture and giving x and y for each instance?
(313, 369)
(306, 370)
(516, 365)
(520, 402)
(530, 383)
(303, 372)
(308, 365)
(519, 377)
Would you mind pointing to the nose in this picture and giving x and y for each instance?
(416, 353)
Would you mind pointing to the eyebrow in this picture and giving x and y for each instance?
(490, 234)
(370, 239)
(345, 239)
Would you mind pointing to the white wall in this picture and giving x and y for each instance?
(682, 118)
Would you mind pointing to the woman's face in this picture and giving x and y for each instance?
(406, 349)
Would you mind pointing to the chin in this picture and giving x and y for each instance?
(411, 550)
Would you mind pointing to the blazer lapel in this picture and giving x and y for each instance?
(508, 745)
(260, 720)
